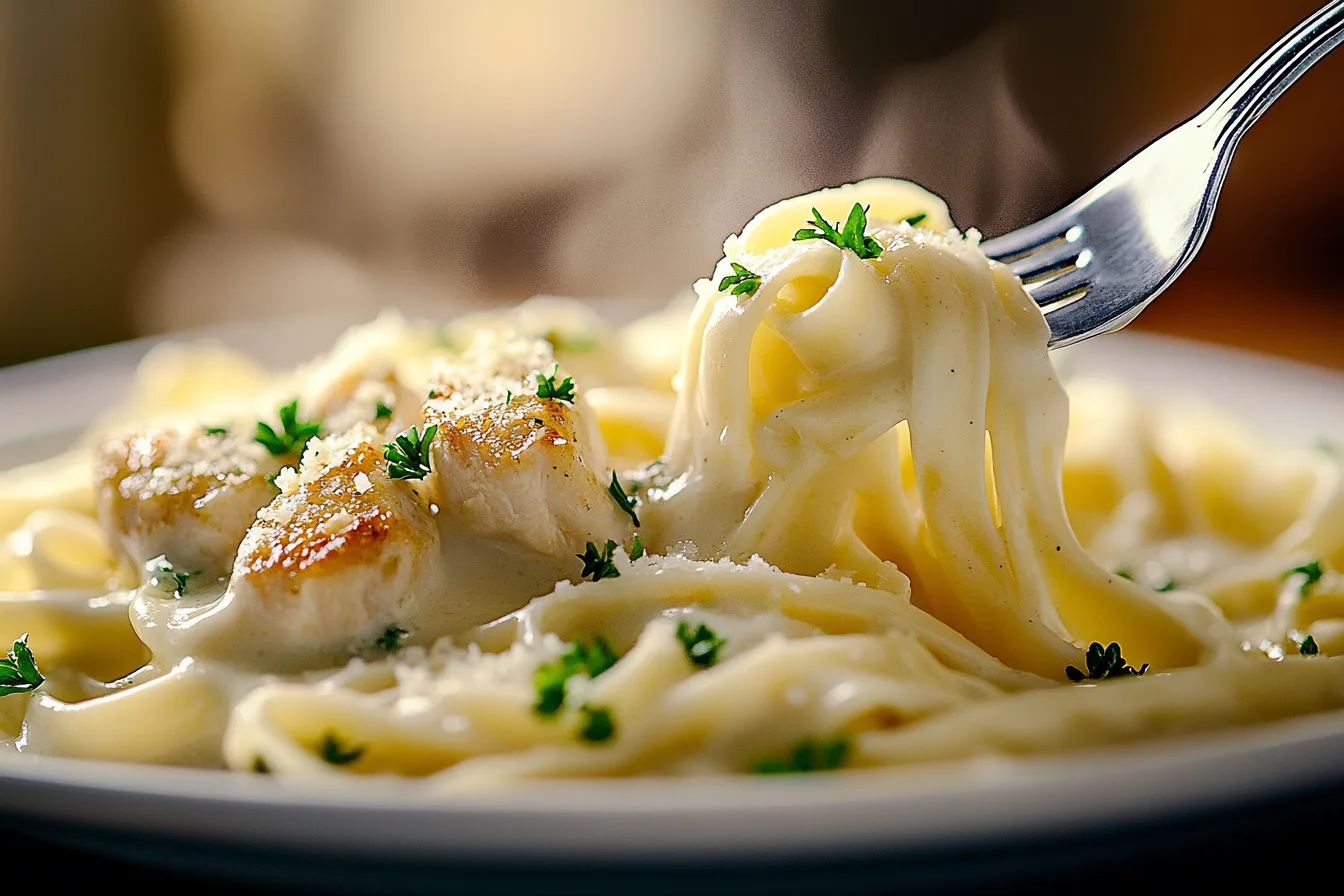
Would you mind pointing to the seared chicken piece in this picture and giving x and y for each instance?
(187, 495)
(512, 466)
(340, 556)
(367, 368)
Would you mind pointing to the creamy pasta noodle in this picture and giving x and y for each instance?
(836, 514)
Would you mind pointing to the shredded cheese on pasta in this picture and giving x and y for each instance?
(859, 487)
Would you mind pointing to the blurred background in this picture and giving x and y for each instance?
(177, 163)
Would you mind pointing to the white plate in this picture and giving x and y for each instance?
(920, 822)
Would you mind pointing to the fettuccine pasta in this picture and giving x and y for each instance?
(839, 512)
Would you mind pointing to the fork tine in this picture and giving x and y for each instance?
(1066, 286)
(1021, 242)
(1058, 255)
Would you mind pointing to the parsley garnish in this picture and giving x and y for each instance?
(743, 281)
(806, 756)
(851, 238)
(623, 500)
(1168, 585)
(915, 219)
(569, 342)
(580, 659)
(637, 547)
(331, 751)
(391, 638)
(597, 724)
(598, 563)
(382, 411)
(164, 577)
(1313, 573)
(294, 433)
(408, 456)
(700, 643)
(1103, 662)
(1308, 646)
(260, 766)
(18, 670)
(547, 388)
(216, 430)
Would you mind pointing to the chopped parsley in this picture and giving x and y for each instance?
(260, 766)
(1311, 571)
(915, 219)
(569, 342)
(382, 411)
(598, 563)
(547, 387)
(408, 456)
(294, 433)
(331, 751)
(1167, 584)
(637, 547)
(1103, 662)
(623, 501)
(742, 281)
(852, 237)
(806, 756)
(597, 724)
(216, 430)
(391, 638)
(550, 679)
(700, 643)
(164, 577)
(1308, 646)
(18, 670)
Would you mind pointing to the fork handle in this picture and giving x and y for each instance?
(1255, 89)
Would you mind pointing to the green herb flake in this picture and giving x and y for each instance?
(260, 766)
(914, 220)
(636, 548)
(806, 756)
(550, 679)
(597, 724)
(742, 281)
(598, 563)
(391, 638)
(1308, 646)
(216, 430)
(700, 643)
(570, 342)
(332, 752)
(164, 577)
(623, 501)
(382, 411)
(1102, 663)
(1167, 584)
(547, 387)
(18, 669)
(408, 456)
(1311, 573)
(294, 433)
(852, 237)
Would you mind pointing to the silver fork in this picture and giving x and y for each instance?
(1095, 264)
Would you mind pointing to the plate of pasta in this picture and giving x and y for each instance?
(833, 558)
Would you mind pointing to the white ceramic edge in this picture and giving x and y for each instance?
(858, 812)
